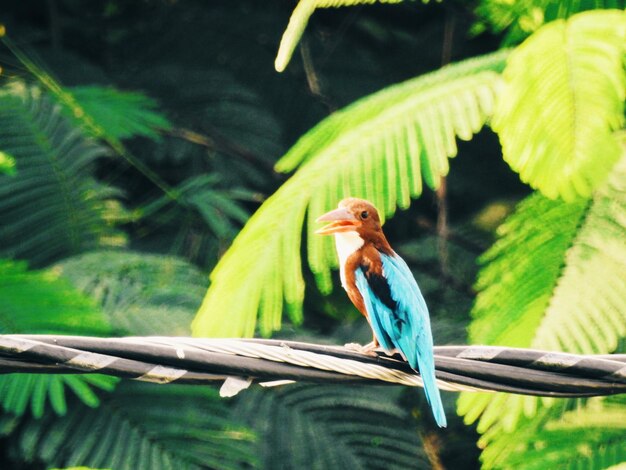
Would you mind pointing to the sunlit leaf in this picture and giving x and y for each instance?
(521, 18)
(563, 98)
(589, 435)
(7, 163)
(556, 280)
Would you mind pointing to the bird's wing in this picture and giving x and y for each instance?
(379, 306)
(396, 308)
(399, 317)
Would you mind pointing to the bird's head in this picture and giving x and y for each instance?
(352, 215)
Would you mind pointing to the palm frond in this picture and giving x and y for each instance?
(120, 114)
(521, 18)
(220, 209)
(142, 426)
(379, 148)
(331, 427)
(52, 207)
(141, 294)
(555, 280)
(40, 302)
(531, 280)
(300, 18)
(35, 392)
(590, 437)
(87, 122)
(562, 100)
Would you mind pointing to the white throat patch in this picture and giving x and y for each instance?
(346, 243)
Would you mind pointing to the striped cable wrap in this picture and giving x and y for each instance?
(240, 362)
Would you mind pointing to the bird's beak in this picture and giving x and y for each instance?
(341, 220)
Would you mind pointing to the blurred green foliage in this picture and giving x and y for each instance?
(137, 138)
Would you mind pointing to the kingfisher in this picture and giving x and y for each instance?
(381, 286)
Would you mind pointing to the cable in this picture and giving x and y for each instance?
(272, 362)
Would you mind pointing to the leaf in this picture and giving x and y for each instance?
(120, 114)
(52, 207)
(563, 98)
(523, 17)
(40, 302)
(143, 426)
(556, 281)
(591, 436)
(141, 294)
(321, 426)
(219, 208)
(379, 148)
(7, 164)
(532, 276)
(299, 19)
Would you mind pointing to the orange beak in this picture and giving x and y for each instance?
(341, 220)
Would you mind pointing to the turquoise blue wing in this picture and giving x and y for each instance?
(399, 317)
(380, 315)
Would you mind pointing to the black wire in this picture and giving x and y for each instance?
(513, 370)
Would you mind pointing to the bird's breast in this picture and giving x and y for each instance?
(346, 244)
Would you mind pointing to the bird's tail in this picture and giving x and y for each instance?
(427, 371)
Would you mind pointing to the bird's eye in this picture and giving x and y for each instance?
(364, 215)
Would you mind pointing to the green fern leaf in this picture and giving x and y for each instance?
(40, 302)
(26, 294)
(563, 98)
(331, 427)
(530, 284)
(555, 280)
(141, 294)
(588, 436)
(523, 17)
(67, 101)
(220, 209)
(143, 426)
(52, 207)
(379, 148)
(300, 18)
(120, 114)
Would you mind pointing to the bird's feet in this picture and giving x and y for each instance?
(369, 349)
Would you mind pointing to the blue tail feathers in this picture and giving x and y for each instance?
(433, 396)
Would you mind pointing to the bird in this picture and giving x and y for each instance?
(381, 286)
